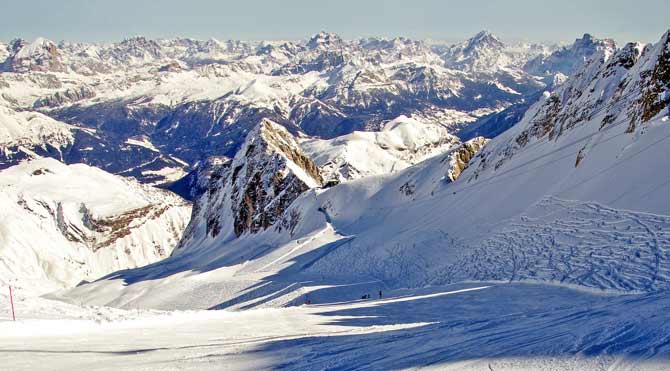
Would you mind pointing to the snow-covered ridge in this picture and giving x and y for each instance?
(193, 99)
(64, 224)
(402, 142)
(623, 88)
(32, 129)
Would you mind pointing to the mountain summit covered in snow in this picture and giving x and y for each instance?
(155, 109)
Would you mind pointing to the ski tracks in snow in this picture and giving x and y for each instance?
(575, 242)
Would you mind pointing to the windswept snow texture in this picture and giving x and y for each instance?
(60, 224)
(478, 326)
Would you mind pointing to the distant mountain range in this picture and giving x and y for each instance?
(330, 161)
(154, 109)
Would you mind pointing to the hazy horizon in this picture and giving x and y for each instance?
(450, 21)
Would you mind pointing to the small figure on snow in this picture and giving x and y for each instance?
(380, 294)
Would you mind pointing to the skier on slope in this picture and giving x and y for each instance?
(380, 294)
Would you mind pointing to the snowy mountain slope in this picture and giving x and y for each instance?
(64, 224)
(402, 142)
(24, 133)
(228, 268)
(194, 99)
(559, 197)
(472, 326)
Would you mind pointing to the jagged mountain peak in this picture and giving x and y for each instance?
(483, 53)
(273, 138)
(252, 193)
(37, 46)
(40, 55)
(569, 59)
(627, 56)
(324, 39)
(484, 39)
(613, 90)
(587, 37)
(137, 39)
(16, 44)
(588, 41)
(136, 47)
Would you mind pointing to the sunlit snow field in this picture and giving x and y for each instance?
(478, 326)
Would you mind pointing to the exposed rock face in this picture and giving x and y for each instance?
(62, 224)
(656, 83)
(253, 191)
(40, 55)
(569, 59)
(64, 97)
(171, 67)
(461, 156)
(623, 88)
(271, 173)
(325, 40)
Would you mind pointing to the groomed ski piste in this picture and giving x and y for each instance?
(469, 326)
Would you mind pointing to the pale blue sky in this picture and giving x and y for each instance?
(538, 20)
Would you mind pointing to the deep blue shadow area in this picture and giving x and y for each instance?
(501, 322)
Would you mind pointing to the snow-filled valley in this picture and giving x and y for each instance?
(335, 204)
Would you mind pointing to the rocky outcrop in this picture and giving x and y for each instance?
(40, 55)
(461, 156)
(253, 192)
(66, 223)
(270, 173)
(65, 97)
(656, 83)
(173, 66)
(618, 90)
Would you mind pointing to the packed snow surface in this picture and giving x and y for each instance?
(476, 326)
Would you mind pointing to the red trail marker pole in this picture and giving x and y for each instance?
(11, 301)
